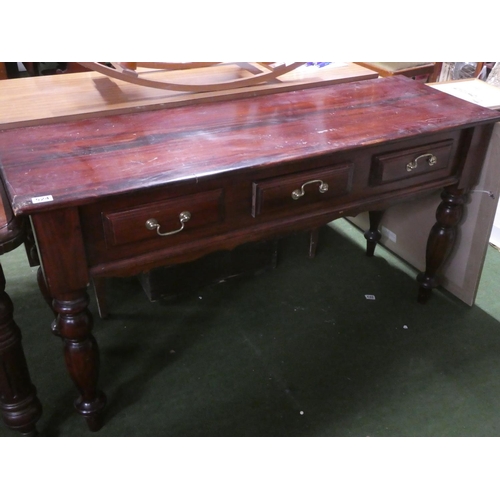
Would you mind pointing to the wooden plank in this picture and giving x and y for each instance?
(56, 98)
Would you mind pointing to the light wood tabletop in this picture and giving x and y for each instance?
(55, 98)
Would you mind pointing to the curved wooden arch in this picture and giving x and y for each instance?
(127, 72)
(172, 66)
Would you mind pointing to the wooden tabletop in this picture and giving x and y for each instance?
(56, 98)
(76, 162)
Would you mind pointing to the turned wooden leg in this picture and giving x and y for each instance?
(19, 404)
(441, 239)
(372, 235)
(74, 325)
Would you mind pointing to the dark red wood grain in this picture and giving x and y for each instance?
(234, 166)
(77, 162)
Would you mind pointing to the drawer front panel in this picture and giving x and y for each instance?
(129, 226)
(305, 189)
(431, 159)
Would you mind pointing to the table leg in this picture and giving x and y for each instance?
(441, 239)
(372, 235)
(65, 278)
(19, 404)
(74, 314)
(74, 325)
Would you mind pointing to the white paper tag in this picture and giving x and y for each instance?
(42, 199)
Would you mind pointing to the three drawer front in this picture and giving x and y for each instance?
(169, 218)
(431, 159)
(304, 189)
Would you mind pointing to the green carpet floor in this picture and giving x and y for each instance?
(297, 351)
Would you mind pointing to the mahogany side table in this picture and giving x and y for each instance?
(119, 195)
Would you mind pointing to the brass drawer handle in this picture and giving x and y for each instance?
(152, 224)
(431, 160)
(298, 193)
